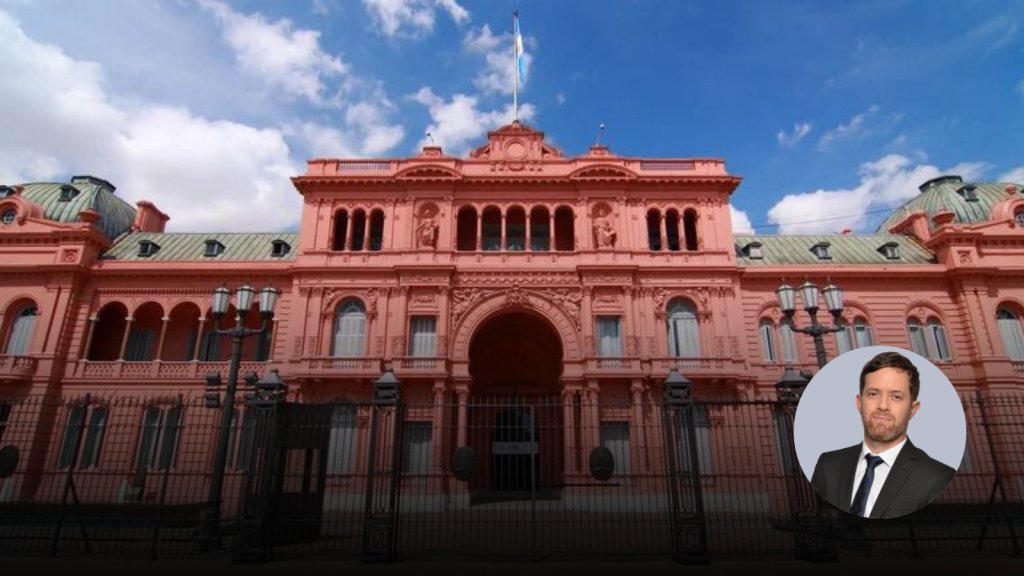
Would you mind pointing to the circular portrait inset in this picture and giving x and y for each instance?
(879, 432)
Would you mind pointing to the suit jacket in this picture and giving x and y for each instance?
(915, 480)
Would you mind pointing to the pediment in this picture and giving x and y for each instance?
(602, 172)
(515, 142)
(428, 172)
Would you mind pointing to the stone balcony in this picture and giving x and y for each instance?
(160, 370)
(412, 366)
(17, 368)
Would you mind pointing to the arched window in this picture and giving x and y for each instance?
(349, 329)
(929, 340)
(340, 230)
(564, 234)
(672, 230)
(376, 230)
(358, 231)
(683, 329)
(844, 338)
(466, 240)
(767, 332)
(1019, 216)
(863, 334)
(1012, 333)
(540, 229)
(654, 229)
(341, 448)
(690, 229)
(22, 329)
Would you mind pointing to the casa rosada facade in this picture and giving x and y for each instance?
(516, 272)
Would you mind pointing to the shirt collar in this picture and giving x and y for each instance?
(888, 456)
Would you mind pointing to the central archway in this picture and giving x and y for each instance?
(515, 354)
(516, 416)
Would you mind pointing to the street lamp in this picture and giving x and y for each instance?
(210, 535)
(809, 295)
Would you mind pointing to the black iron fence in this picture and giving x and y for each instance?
(527, 477)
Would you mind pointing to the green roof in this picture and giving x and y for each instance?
(191, 247)
(942, 192)
(116, 215)
(781, 250)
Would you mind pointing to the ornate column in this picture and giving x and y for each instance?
(163, 334)
(124, 341)
(199, 338)
(462, 391)
(366, 233)
(551, 231)
(479, 230)
(592, 409)
(504, 229)
(569, 426)
(437, 438)
(636, 432)
(664, 230)
(349, 225)
(93, 320)
(529, 224)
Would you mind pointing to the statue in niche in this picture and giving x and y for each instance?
(604, 231)
(426, 230)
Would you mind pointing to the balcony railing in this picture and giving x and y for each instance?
(420, 365)
(17, 367)
(613, 364)
(340, 366)
(155, 369)
(1017, 366)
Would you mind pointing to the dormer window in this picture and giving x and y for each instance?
(753, 251)
(213, 249)
(821, 250)
(67, 192)
(147, 248)
(890, 250)
(1019, 216)
(969, 192)
(6, 191)
(279, 248)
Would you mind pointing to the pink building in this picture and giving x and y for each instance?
(517, 272)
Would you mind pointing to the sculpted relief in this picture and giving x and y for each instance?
(604, 230)
(426, 227)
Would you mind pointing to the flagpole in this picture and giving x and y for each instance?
(515, 65)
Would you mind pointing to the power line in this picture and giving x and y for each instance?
(789, 222)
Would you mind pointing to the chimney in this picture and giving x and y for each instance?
(148, 218)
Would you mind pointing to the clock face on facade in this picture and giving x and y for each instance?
(9, 217)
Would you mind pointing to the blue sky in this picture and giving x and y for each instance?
(832, 112)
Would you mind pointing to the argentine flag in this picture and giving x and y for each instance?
(520, 56)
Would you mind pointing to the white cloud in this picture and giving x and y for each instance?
(59, 120)
(740, 221)
(1016, 175)
(498, 74)
(884, 183)
(411, 18)
(855, 127)
(1020, 87)
(320, 8)
(799, 131)
(458, 124)
(560, 98)
(370, 121)
(286, 58)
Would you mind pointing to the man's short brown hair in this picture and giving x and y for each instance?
(893, 360)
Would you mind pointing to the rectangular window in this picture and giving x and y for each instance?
(5, 416)
(241, 440)
(703, 437)
(788, 342)
(72, 433)
(917, 341)
(341, 449)
(683, 336)
(615, 437)
(90, 457)
(768, 341)
(844, 339)
(263, 345)
(865, 337)
(609, 336)
(423, 336)
(418, 444)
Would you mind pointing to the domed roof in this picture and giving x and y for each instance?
(63, 202)
(971, 202)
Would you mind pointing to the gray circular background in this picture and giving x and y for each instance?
(827, 418)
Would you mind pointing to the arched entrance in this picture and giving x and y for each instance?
(516, 415)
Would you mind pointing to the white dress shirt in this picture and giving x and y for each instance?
(881, 473)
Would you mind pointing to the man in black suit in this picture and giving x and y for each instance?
(885, 476)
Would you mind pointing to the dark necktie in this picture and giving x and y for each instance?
(861, 500)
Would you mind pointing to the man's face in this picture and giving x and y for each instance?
(885, 405)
